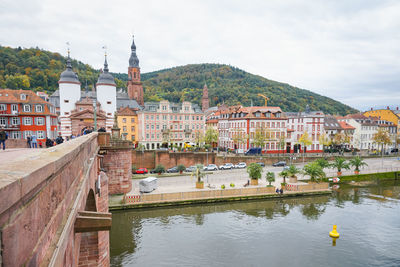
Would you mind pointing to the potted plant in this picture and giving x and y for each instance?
(284, 174)
(199, 173)
(323, 163)
(270, 176)
(340, 163)
(159, 169)
(357, 162)
(232, 185)
(254, 170)
(181, 168)
(292, 172)
(223, 186)
(314, 170)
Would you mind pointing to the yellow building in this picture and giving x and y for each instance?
(128, 123)
(384, 114)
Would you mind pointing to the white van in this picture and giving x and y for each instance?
(148, 184)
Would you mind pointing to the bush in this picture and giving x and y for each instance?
(232, 185)
(159, 168)
(181, 168)
(223, 186)
(254, 170)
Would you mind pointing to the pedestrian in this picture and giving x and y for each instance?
(40, 144)
(281, 191)
(34, 141)
(49, 142)
(3, 138)
(59, 140)
(28, 141)
(277, 190)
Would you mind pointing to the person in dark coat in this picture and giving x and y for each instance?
(3, 138)
(59, 140)
(28, 141)
(49, 142)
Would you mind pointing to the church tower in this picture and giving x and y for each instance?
(135, 88)
(205, 103)
(70, 93)
(107, 94)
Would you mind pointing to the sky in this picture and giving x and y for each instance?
(348, 50)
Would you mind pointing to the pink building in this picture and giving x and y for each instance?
(162, 124)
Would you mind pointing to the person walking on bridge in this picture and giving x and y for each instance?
(3, 138)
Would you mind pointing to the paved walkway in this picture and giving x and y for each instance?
(13, 153)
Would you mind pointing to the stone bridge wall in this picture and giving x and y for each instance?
(40, 195)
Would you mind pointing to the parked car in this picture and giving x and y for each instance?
(279, 164)
(261, 164)
(226, 166)
(286, 168)
(241, 165)
(172, 170)
(394, 150)
(142, 171)
(211, 167)
(190, 169)
(253, 151)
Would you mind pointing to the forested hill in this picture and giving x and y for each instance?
(39, 70)
(230, 85)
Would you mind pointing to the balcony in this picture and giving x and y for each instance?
(7, 113)
(10, 127)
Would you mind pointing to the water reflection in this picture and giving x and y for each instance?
(132, 230)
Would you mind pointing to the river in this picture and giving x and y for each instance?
(285, 232)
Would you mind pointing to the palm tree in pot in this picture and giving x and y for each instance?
(357, 162)
(270, 176)
(314, 170)
(292, 172)
(340, 163)
(254, 170)
(199, 173)
(181, 168)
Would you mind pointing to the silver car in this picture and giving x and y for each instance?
(226, 166)
(241, 165)
(211, 167)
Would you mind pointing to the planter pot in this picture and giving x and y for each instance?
(339, 173)
(283, 186)
(292, 179)
(180, 172)
(356, 172)
(254, 181)
(200, 185)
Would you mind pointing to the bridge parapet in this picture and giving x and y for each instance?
(41, 195)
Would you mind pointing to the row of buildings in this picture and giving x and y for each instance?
(70, 110)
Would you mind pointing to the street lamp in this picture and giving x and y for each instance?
(95, 114)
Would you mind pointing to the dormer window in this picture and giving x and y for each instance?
(257, 114)
(39, 108)
(278, 114)
(268, 114)
(23, 97)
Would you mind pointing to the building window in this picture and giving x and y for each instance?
(66, 113)
(158, 127)
(124, 128)
(39, 121)
(152, 126)
(14, 108)
(132, 120)
(3, 121)
(108, 102)
(27, 121)
(124, 120)
(39, 108)
(15, 135)
(147, 126)
(27, 133)
(23, 97)
(40, 135)
(27, 108)
(3, 107)
(133, 138)
(66, 101)
(147, 136)
(147, 117)
(15, 121)
(132, 128)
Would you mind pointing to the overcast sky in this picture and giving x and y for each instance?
(348, 50)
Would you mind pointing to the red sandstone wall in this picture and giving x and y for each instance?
(171, 159)
(118, 165)
(145, 159)
(16, 143)
(36, 202)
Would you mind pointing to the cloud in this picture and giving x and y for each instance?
(347, 50)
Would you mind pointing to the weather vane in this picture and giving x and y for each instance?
(67, 47)
(105, 50)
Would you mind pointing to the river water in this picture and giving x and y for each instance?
(286, 232)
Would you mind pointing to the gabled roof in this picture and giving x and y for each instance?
(14, 96)
(346, 126)
(126, 111)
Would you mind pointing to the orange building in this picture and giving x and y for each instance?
(23, 113)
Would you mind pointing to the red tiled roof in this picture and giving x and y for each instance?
(346, 126)
(126, 111)
(14, 96)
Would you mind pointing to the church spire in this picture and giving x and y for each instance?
(133, 60)
(105, 64)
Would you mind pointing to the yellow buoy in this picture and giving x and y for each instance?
(334, 233)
